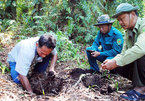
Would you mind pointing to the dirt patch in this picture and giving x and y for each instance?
(93, 80)
(97, 82)
(45, 83)
(75, 73)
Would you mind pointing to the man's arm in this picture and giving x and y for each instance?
(25, 83)
(53, 61)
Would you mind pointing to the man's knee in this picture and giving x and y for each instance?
(15, 76)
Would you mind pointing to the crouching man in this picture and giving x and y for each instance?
(109, 38)
(130, 63)
(34, 52)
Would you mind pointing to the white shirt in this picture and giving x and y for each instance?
(23, 54)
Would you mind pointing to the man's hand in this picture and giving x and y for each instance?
(95, 54)
(25, 83)
(109, 64)
(52, 70)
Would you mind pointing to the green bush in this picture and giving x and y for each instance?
(74, 17)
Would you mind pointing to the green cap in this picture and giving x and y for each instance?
(123, 8)
(103, 19)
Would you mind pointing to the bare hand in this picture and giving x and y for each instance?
(53, 71)
(95, 54)
(25, 83)
(109, 64)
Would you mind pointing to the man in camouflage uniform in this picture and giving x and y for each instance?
(109, 38)
(130, 63)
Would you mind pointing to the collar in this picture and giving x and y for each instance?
(137, 25)
(135, 29)
(111, 31)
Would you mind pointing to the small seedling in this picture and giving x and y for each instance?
(4, 68)
(117, 86)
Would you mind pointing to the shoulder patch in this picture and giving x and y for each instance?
(119, 41)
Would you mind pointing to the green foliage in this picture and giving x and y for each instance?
(117, 86)
(4, 68)
(104, 74)
(71, 20)
(67, 50)
(7, 9)
(73, 17)
(7, 24)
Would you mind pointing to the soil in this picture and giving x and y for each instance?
(45, 83)
(73, 84)
(95, 80)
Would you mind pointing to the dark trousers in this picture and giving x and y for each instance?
(134, 71)
(93, 63)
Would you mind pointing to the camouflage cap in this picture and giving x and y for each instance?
(103, 19)
(123, 8)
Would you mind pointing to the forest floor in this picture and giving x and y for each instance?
(67, 85)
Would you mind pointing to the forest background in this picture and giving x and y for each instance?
(71, 21)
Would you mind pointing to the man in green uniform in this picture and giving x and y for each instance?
(130, 63)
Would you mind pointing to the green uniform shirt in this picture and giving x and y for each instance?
(134, 44)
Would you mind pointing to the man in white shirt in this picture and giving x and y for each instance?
(34, 52)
